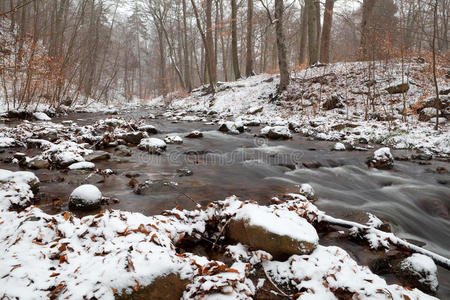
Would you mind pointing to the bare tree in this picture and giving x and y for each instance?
(326, 31)
(281, 45)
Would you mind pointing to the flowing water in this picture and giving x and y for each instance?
(413, 198)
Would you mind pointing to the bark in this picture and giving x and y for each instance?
(313, 47)
(249, 64)
(326, 32)
(303, 37)
(187, 68)
(234, 45)
(281, 45)
(366, 24)
(210, 42)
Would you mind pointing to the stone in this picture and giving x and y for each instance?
(195, 135)
(184, 172)
(149, 187)
(38, 163)
(150, 129)
(153, 145)
(173, 140)
(334, 102)
(420, 271)
(307, 191)
(122, 150)
(398, 88)
(86, 197)
(169, 286)
(312, 164)
(339, 147)
(232, 127)
(133, 138)
(276, 132)
(255, 110)
(381, 159)
(97, 156)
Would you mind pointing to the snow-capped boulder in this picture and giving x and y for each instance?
(427, 113)
(397, 87)
(122, 150)
(17, 189)
(97, 156)
(232, 127)
(255, 110)
(339, 147)
(421, 272)
(153, 145)
(282, 234)
(84, 165)
(37, 163)
(195, 135)
(40, 116)
(85, 197)
(307, 191)
(150, 129)
(133, 138)
(173, 140)
(381, 159)
(334, 102)
(276, 132)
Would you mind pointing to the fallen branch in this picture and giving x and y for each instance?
(394, 240)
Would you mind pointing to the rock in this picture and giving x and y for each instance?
(85, 197)
(97, 156)
(150, 129)
(169, 286)
(122, 150)
(232, 127)
(307, 191)
(312, 164)
(441, 170)
(173, 140)
(398, 88)
(93, 178)
(431, 102)
(133, 138)
(334, 102)
(255, 110)
(153, 145)
(281, 236)
(382, 159)
(195, 135)
(38, 163)
(40, 116)
(149, 187)
(184, 172)
(48, 135)
(363, 141)
(276, 132)
(339, 147)
(441, 120)
(422, 155)
(420, 271)
(427, 113)
(84, 165)
(132, 174)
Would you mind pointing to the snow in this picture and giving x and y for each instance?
(282, 131)
(173, 140)
(89, 193)
(383, 154)
(6, 142)
(40, 116)
(422, 266)
(283, 223)
(16, 188)
(153, 145)
(339, 147)
(82, 166)
(307, 190)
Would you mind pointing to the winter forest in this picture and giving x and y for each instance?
(224, 149)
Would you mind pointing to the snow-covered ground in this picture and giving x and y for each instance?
(253, 100)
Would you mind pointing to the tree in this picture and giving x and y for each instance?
(326, 32)
(249, 61)
(366, 26)
(234, 43)
(281, 45)
(313, 45)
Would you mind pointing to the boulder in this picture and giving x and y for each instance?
(85, 197)
(312, 164)
(97, 156)
(420, 271)
(232, 127)
(173, 140)
(334, 102)
(397, 88)
(149, 187)
(153, 145)
(195, 135)
(122, 150)
(339, 147)
(84, 165)
(38, 163)
(281, 235)
(169, 286)
(255, 110)
(382, 159)
(276, 132)
(150, 129)
(133, 138)
(307, 191)
(427, 113)
(184, 172)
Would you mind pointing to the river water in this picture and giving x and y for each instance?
(413, 198)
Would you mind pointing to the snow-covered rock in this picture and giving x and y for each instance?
(381, 159)
(276, 132)
(85, 197)
(40, 116)
(194, 135)
(308, 191)
(232, 127)
(422, 269)
(173, 139)
(153, 145)
(84, 165)
(17, 189)
(150, 129)
(339, 147)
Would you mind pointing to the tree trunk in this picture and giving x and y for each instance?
(367, 10)
(210, 42)
(304, 36)
(313, 47)
(249, 65)
(326, 32)
(234, 46)
(187, 68)
(281, 44)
